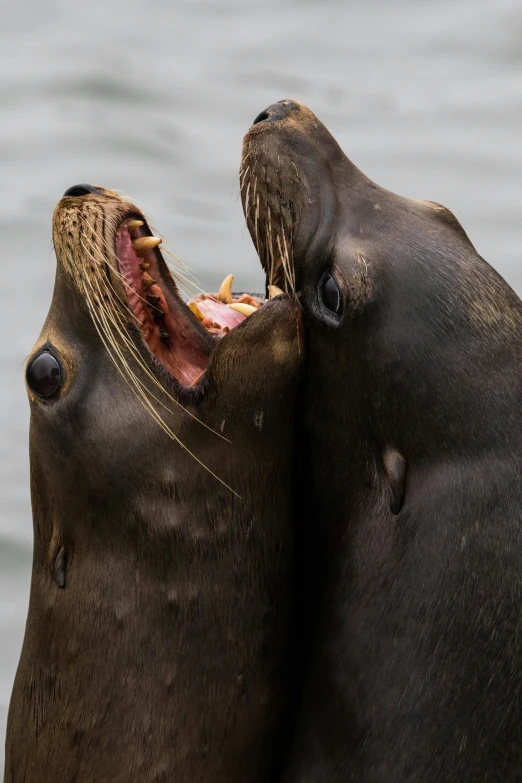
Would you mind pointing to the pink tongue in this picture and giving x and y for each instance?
(220, 315)
(218, 318)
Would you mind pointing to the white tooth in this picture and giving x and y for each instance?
(225, 290)
(134, 224)
(244, 309)
(147, 280)
(197, 312)
(273, 290)
(144, 245)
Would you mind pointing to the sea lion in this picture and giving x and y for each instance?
(410, 526)
(157, 638)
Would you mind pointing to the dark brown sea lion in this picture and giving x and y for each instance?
(156, 646)
(410, 526)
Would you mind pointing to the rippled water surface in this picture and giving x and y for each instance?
(153, 98)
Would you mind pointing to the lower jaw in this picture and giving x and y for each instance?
(181, 337)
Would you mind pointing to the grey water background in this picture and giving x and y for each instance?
(152, 97)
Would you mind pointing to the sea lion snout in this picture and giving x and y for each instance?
(276, 111)
(82, 190)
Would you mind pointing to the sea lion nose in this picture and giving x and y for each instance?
(277, 111)
(81, 190)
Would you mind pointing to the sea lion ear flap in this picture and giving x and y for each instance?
(395, 468)
(57, 559)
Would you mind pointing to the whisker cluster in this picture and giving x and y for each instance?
(269, 219)
(91, 271)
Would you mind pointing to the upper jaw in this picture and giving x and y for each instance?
(181, 335)
(106, 247)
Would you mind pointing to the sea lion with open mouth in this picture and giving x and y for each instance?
(157, 638)
(410, 525)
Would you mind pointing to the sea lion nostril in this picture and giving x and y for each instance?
(81, 190)
(260, 117)
(277, 111)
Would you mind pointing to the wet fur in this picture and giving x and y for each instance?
(410, 653)
(158, 632)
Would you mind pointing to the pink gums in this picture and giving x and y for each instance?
(218, 316)
(169, 335)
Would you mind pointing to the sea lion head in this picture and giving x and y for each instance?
(117, 319)
(126, 380)
(392, 288)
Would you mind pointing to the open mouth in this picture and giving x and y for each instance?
(181, 336)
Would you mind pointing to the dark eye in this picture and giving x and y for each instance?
(330, 294)
(44, 375)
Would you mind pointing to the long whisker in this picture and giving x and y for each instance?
(134, 384)
(110, 292)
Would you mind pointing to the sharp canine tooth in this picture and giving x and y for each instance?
(273, 290)
(144, 266)
(197, 312)
(144, 245)
(244, 309)
(134, 224)
(225, 290)
(146, 280)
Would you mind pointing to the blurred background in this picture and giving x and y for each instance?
(152, 97)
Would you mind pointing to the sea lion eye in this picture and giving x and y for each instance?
(44, 375)
(330, 294)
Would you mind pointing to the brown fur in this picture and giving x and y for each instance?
(409, 526)
(165, 655)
